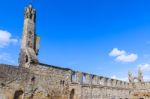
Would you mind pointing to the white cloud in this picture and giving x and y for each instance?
(127, 58)
(119, 78)
(116, 52)
(114, 77)
(6, 38)
(144, 67)
(6, 58)
(123, 56)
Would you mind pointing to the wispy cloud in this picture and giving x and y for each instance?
(123, 56)
(119, 78)
(6, 38)
(144, 67)
(6, 58)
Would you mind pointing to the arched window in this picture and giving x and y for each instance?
(26, 59)
(18, 94)
(72, 93)
(135, 80)
(84, 78)
(73, 77)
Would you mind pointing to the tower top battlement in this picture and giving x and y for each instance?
(30, 13)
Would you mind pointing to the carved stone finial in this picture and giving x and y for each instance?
(140, 75)
(30, 13)
(139, 71)
(131, 79)
(129, 74)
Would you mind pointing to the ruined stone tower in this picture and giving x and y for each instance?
(30, 41)
(35, 80)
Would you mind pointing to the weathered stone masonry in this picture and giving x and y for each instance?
(34, 80)
(49, 82)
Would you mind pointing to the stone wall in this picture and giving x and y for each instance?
(11, 79)
(42, 81)
(52, 81)
(141, 90)
(34, 80)
(38, 82)
(89, 86)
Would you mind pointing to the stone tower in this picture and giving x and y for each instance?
(140, 76)
(30, 41)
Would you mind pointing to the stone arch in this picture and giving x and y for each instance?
(26, 59)
(72, 94)
(135, 80)
(102, 81)
(109, 82)
(84, 78)
(73, 77)
(18, 94)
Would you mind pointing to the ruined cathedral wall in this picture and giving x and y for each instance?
(11, 74)
(46, 81)
(90, 79)
(88, 86)
(141, 90)
(37, 82)
(6, 70)
(12, 79)
(103, 93)
(143, 85)
(51, 81)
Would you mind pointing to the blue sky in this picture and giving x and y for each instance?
(103, 37)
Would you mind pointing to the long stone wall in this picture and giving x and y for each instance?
(41, 81)
(85, 78)
(49, 82)
(34, 80)
(89, 86)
